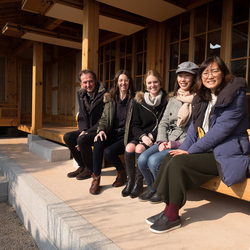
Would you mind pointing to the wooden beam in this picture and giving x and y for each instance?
(90, 35)
(37, 87)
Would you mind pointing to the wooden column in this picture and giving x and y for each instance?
(90, 35)
(37, 87)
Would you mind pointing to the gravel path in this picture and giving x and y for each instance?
(13, 234)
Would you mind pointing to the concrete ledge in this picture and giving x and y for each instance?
(51, 222)
(48, 150)
(3, 188)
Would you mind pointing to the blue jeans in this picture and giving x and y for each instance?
(149, 163)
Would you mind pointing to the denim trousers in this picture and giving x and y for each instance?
(149, 163)
(112, 148)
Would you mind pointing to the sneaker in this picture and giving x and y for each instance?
(155, 199)
(151, 220)
(85, 174)
(163, 225)
(75, 173)
(146, 196)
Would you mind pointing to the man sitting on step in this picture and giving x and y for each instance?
(90, 99)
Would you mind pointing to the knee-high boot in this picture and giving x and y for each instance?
(138, 187)
(130, 169)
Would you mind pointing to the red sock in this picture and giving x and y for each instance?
(166, 209)
(172, 212)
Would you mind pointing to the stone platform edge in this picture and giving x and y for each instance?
(50, 221)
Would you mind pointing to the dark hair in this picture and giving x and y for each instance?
(86, 71)
(114, 91)
(177, 86)
(200, 89)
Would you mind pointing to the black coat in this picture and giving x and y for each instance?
(89, 122)
(145, 119)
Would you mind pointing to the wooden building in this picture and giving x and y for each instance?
(44, 44)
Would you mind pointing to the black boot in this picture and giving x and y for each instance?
(130, 184)
(130, 169)
(138, 187)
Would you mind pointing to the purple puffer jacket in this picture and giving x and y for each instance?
(227, 136)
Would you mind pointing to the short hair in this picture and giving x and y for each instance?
(200, 89)
(86, 71)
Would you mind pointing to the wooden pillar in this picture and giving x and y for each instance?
(90, 35)
(37, 87)
(226, 31)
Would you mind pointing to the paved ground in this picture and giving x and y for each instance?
(13, 235)
(209, 220)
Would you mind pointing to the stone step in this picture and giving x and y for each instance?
(48, 150)
(3, 188)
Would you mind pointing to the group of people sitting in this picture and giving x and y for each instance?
(175, 142)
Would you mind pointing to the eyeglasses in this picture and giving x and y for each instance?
(214, 73)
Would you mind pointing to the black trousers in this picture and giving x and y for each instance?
(181, 173)
(84, 157)
(112, 148)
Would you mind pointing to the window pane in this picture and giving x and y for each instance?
(145, 64)
(239, 40)
(100, 54)
(214, 44)
(171, 82)
(129, 45)
(200, 20)
(175, 29)
(112, 70)
(106, 71)
(215, 15)
(101, 72)
(138, 83)
(238, 68)
(248, 81)
(139, 42)
(174, 49)
(2, 79)
(184, 51)
(107, 52)
(122, 63)
(138, 67)
(240, 10)
(26, 89)
(113, 50)
(185, 25)
(129, 63)
(199, 49)
(122, 47)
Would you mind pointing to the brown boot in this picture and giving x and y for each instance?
(85, 174)
(121, 178)
(95, 185)
(75, 173)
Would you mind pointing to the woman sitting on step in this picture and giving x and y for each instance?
(110, 132)
(172, 128)
(146, 115)
(216, 143)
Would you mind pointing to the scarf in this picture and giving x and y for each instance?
(153, 101)
(185, 111)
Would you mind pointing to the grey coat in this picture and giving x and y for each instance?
(168, 130)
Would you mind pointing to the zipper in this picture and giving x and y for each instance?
(156, 125)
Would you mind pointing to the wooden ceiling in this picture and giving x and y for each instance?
(11, 11)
